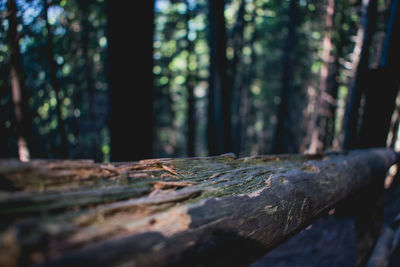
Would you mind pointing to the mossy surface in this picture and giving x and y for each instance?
(73, 204)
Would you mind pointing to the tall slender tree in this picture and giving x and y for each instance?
(55, 84)
(325, 99)
(219, 95)
(190, 83)
(331, 138)
(19, 93)
(360, 66)
(245, 80)
(95, 121)
(5, 112)
(236, 81)
(394, 125)
(130, 76)
(85, 32)
(288, 62)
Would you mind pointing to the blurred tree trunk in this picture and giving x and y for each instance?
(243, 82)
(130, 77)
(55, 84)
(288, 61)
(360, 78)
(219, 122)
(84, 6)
(236, 80)
(6, 110)
(190, 83)
(326, 95)
(394, 125)
(380, 87)
(18, 87)
(94, 121)
(383, 85)
(246, 98)
(4, 152)
(330, 139)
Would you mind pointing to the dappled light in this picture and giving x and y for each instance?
(161, 123)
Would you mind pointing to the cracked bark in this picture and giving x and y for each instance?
(218, 210)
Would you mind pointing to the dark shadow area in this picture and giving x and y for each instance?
(328, 242)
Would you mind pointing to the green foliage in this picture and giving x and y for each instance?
(66, 19)
(174, 29)
(180, 50)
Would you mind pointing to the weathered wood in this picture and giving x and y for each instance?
(386, 245)
(368, 218)
(199, 211)
(382, 250)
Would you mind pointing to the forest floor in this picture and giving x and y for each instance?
(330, 241)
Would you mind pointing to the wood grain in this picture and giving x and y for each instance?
(218, 211)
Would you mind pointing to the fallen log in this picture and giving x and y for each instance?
(196, 211)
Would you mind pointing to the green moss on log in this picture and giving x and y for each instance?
(170, 211)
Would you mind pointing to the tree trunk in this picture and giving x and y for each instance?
(55, 84)
(325, 99)
(382, 87)
(190, 83)
(84, 6)
(19, 93)
(130, 76)
(4, 132)
(245, 103)
(219, 211)
(360, 66)
(94, 121)
(331, 140)
(288, 61)
(219, 98)
(394, 125)
(235, 79)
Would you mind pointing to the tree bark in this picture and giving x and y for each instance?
(220, 211)
(18, 87)
(219, 96)
(55, 84)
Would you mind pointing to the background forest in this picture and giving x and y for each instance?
(174, 78)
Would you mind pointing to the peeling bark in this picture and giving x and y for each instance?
(207, 211)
